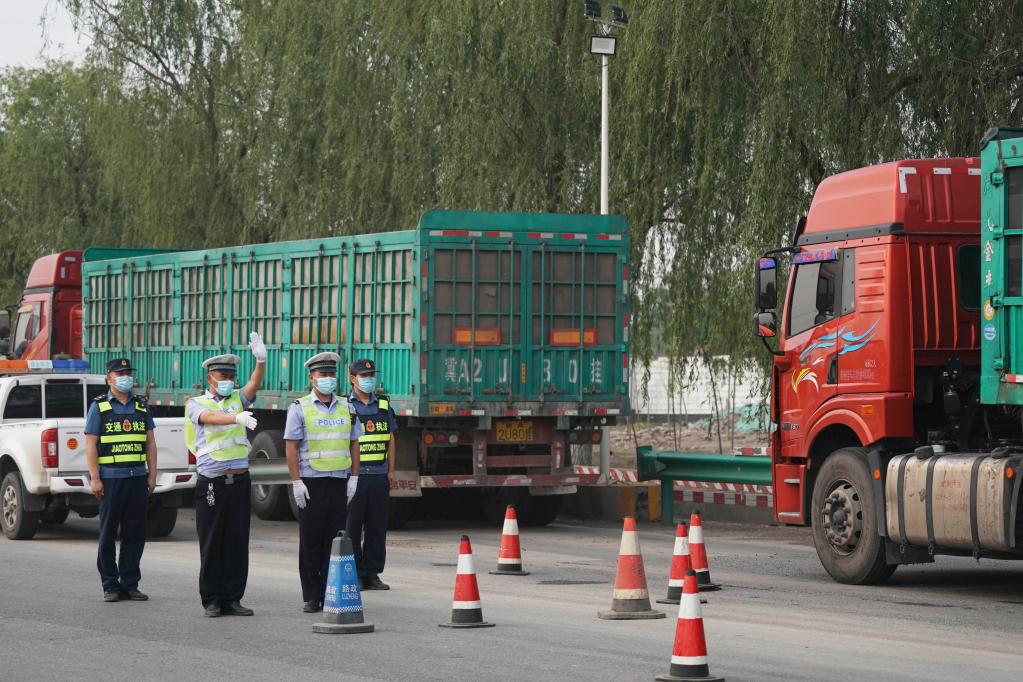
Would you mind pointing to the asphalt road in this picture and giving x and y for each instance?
(779, 617)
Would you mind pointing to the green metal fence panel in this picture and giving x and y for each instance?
(469, 309)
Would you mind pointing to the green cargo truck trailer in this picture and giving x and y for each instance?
(501, 339)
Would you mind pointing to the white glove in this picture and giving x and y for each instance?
(300, 493)
(257, 347)
(245, 419)
(353, 483)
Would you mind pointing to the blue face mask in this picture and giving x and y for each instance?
(326, 385)
(124, 383)
(225, 387)
(367, 384)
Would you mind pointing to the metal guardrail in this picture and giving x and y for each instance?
(269, 472)
(669, 467)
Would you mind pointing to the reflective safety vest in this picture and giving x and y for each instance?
(376, 433)
(223, 441)
(327, 436)
(122, 437)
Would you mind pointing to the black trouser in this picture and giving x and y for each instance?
(223, 529)
(318, 524)
(123, 505)
(368, 513)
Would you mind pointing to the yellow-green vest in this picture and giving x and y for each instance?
(223, 441)
(122, 437)
(376, 433)
(327, 442)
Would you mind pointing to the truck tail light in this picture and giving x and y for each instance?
(48, 448)
(191, 458)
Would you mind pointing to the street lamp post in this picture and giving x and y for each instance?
(604, 45)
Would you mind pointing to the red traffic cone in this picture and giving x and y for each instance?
(679, 566)
(698, 554)
(689, 653)
(509, 558)
(630, 600)
(466, 610)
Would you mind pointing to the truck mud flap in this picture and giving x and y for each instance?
(874, 464)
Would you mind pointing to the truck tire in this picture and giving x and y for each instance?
(541, 510)
(160, 521)
(400, 511)
(270, 502)
(17, 523)
(842, 514)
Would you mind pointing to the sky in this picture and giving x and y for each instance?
(25, 42)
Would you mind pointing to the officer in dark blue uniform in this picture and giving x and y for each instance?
(120, 451)
(369, 493)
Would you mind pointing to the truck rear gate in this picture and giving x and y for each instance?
(499, 328)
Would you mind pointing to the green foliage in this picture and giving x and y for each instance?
(206, 122)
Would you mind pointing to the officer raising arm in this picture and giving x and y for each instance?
(321, 444)
(120, 452)
(215, 430)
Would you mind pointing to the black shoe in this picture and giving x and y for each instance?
(235, 608)
(311, 606)
(133, 594)
(112, 595)
(213, 610)
(375, 584)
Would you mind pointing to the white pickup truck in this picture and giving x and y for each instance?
(43, 473)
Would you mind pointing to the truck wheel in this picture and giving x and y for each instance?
(160, 521)
(56, 515)
(844, 521)
(270, 502)
(400, 511)
(16, 521)
(541, 510)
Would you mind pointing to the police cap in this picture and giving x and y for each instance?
(120, 365)
(228, 364)
(362, 366)
(323, 362)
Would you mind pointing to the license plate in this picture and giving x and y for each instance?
(515, 431)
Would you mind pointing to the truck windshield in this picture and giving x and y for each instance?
(28, 327)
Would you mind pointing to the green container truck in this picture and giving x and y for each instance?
(501, 339)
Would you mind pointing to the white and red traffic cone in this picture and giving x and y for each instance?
(679, 566)
(698, 554)
(509, 558)
(466, 609)
(631, 600)
(689, 652)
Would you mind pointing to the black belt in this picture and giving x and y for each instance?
(228, 476)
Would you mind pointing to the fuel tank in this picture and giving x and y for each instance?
(954, 500)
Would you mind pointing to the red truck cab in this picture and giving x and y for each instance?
(49, 315)
(881, 319)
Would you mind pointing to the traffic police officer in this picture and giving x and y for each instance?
(120, 452)
(369, 492)
(322, 450)
(215, 430)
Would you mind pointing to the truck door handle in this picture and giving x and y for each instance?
(833, 369)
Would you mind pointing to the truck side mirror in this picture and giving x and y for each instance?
(765, 324)
(765, 288)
